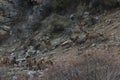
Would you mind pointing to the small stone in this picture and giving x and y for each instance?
(20, 60)
(13, 55)
(6, 28)
(14, 78)
(108, 21)
(93, 45)
(31, 51)
(97, 17)
(31, 74)
(86, 13)
(72, 16)
(66, 42)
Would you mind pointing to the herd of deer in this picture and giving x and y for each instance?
(29, 62)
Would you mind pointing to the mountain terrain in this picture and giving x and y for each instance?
(59, 40)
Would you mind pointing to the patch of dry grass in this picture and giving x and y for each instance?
(93, 65)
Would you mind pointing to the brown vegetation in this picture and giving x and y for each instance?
(93, 65)
(5, 60)
(41, 64)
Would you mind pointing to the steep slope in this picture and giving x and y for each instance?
(45, 35)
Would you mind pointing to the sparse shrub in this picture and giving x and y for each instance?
(57, 24)
(94, 65)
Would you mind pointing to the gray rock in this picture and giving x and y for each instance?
(18, 53)
(6, 28)
(31, 51)
(109, 21)
(14, 78)
(66, 43)
(31, 74)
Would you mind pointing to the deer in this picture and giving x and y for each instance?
(30, 62)
(41, 64)
(44, 63)
(5, 60)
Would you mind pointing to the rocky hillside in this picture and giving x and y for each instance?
(59, 39)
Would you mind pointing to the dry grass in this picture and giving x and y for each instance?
(93, 65)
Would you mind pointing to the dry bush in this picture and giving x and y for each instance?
(4, 60)
(7, 61)
(93, 65)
